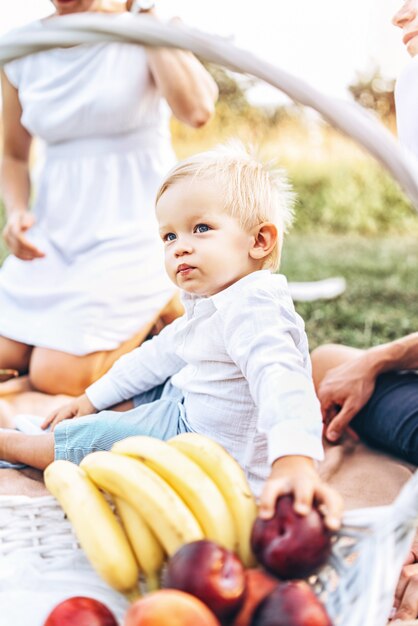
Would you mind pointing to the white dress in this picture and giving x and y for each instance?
(106, 131)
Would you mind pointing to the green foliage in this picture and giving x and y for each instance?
(374, 91)
(381, 299)
(350, 197)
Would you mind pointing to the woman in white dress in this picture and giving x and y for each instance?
(85, 279)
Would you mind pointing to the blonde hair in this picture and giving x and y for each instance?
(253, 192)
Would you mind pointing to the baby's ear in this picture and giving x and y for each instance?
(265, 239)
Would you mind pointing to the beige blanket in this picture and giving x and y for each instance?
(363, 476)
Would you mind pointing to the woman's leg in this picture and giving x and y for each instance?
(54, 372)
(14, 355)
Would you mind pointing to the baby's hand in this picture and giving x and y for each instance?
(297, 475)
(77, 408)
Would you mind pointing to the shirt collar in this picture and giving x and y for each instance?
(226, 295)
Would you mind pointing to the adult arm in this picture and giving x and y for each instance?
(15, 180)
(187, 86)
(346, 388)
(182, 80)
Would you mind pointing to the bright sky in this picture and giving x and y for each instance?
(323, 41)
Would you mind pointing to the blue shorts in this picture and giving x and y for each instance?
(158, 413)
(389, 420)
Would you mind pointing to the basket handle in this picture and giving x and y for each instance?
(91, 28)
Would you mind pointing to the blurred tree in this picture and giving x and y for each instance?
(376, 92)
(232, 88)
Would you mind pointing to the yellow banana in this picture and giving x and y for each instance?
(191, 483)
(162, 509)
(231, 481)
(95, 525)
(147, 549)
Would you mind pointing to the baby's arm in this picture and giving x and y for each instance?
(144, 368)
(77, 408)
(267, 341)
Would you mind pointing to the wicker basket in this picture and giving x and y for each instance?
(41, 563)
(357, 584)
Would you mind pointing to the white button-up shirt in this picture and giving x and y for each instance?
(241, 359)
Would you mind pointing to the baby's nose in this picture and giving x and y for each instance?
(182, 248)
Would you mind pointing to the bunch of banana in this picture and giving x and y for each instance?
(161, 507)
(145, 545)
(166, 494)
(191, 483)
(228, 476)
(98, 531)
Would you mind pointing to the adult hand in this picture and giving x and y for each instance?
(14, 235)
(77, 408)
(406, 594)
(344, 390)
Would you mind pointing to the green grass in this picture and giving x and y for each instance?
(381, 300)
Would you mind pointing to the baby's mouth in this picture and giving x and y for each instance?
(184, 268)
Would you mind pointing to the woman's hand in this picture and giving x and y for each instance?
(77, 408)
(297, 475)
(343, 391)
(14, 235)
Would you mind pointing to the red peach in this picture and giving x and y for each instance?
(170, 607)
(290, 545)
(258, 585)
(81, 611)
(291, 604)
(210, 572)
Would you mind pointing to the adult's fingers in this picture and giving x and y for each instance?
(27, 248)
(21, 247)
(329, 412)
(340, 422)
(406, 595)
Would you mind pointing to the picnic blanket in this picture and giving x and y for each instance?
(363, 476)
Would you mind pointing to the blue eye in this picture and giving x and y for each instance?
(169, 237)
(201, 228)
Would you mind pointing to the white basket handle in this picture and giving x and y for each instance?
(93, 28)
